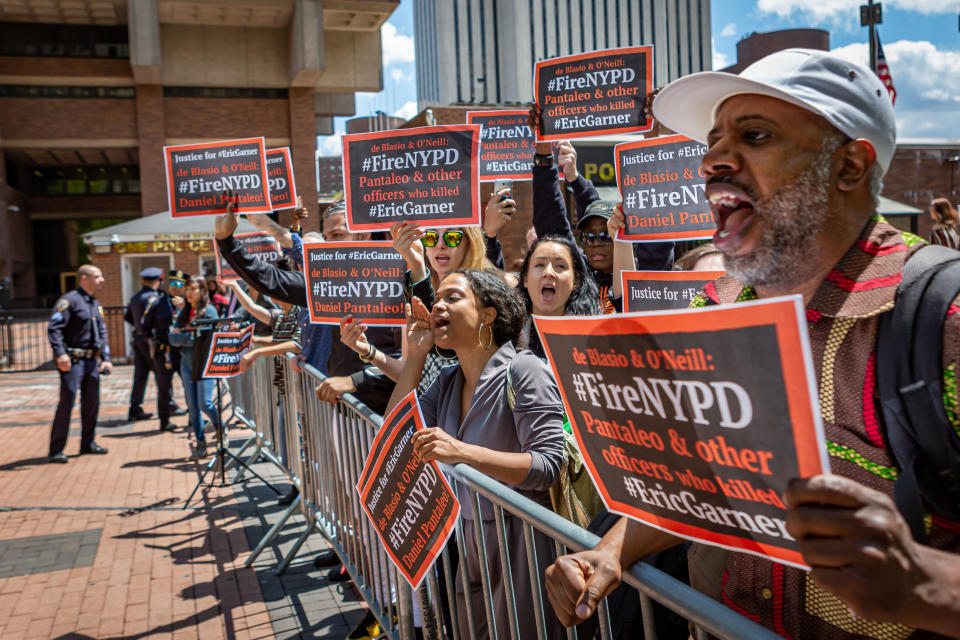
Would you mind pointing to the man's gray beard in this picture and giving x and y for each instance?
(791, 220)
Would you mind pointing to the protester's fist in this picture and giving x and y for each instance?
(577, 582)
(533, 121)
(567, 161)
(246, 360)
(497, 212)
(353, 333)
(63, 363)
(177, 301)
(225, 225)
(648, 112)
(857, 544)
(106, 368)
(436, 444)
(331, 389)
(616, 221)
(300, 212)
(419, 330)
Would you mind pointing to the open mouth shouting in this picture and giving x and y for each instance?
(548, 293)
(734, 213)
(439, 322)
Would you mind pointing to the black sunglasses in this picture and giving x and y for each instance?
(450, 238)
(590, 239)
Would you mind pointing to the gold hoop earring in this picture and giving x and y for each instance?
(480, 339)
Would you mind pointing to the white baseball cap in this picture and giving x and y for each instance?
(848, 95)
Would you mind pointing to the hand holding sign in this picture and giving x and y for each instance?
(436, 444)
(225, 225)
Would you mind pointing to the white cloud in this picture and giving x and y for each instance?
(927, 83)
(331, 146)
(407, 111)
(720, 60)
(729, 30)
(847, 10)
(397, 48)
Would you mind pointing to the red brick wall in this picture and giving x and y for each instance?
(917, 176)
(303, 145)
(84, 118)
(216, 118)
(150, 139)
(64, 67)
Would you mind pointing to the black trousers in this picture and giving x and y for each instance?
(84, 376)
(143, 365)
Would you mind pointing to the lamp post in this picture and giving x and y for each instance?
(871, 14)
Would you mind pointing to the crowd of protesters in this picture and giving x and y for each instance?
(793, 170)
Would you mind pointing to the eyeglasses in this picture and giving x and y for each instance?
(592, 239)
(450, 238)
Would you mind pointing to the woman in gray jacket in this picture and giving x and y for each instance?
(470, 419)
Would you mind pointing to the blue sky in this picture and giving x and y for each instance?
(920, 39)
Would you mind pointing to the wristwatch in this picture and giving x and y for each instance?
(543, 159)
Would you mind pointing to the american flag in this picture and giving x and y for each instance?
(883, 72)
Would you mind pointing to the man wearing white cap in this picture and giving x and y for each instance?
(797, 147)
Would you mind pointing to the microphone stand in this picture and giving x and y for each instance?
(200, 327)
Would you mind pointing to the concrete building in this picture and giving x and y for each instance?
(91, 91)
(483, 51)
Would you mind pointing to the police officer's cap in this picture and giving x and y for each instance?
(151, 273)
(178, 277)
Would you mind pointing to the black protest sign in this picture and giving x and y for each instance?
(657, 290)
(258, 245)
(506, 144)
(694, 421)
(283, 189)
(198, 175)
(409, 502)
(226, 349)
(427, 175)
(662, 188)
(364, 279)
(596, 93)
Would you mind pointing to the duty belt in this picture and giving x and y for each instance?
(83, 354)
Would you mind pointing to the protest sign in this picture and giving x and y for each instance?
(283, 190)
(427, 175)
(360, 278)
(259, 245)
(596, 93)
(694, 421)
(506, 144)
(409, 502)
(226, 349)
(198, 174)
(657, 290)
(662, 188)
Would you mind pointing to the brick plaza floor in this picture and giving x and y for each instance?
(102, 548)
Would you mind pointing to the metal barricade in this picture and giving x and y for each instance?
(326, 449)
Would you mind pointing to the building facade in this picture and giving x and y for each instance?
(91, 91)
(483, 51)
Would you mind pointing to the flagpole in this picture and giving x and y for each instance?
(873, 38)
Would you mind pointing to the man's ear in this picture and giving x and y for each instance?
(858, 158)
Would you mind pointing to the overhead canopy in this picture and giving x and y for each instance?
(160, 226)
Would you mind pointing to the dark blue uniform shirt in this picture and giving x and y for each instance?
(135, 308)
(77, 323)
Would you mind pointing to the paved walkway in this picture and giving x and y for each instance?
(101, 547)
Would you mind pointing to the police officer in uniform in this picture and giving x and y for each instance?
(176, 282)
(156, 321)
(145, 357)
(78, 336)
